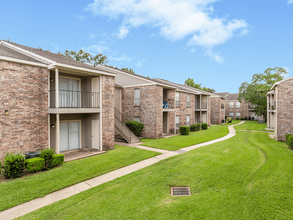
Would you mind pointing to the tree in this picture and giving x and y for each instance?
(85, 57)
(191, 83)
(128, 70)
(256, 91)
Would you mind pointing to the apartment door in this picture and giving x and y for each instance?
(69, 92)
(165, 122)
(69, 135)
(95, 134)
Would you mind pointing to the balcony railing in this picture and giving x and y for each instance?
(75, 99)
(168, 104)
(272, 106)
(250, 107)
(222, 106)
(197, 105)
(204, 105)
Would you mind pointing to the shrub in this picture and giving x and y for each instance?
(237, 118)
(289, 140)
(184, 130)
(47, 154)
(195, 127)
(204, 126)
(242, 119)
(14, 165)
(226, 116)
(229, 120)
(58, 159)
(135, 127)
(34, 164)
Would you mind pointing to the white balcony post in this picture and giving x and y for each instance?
(49, 89)
(200, 101)
(56, 88)
(57, 134)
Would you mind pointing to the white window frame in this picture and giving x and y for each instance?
(188, 100)
(187, 120)
(136, 100)
(231, 105)
(231, 114)
(238, 114)
(137, 118)
(177, 98)
(237, 104)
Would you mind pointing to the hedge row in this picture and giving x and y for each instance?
(289, 140)
(15, 165)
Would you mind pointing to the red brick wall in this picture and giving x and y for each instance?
(150, 109)
(284, 102)
(243, 109)
(24, 93)
(108, 104)
(215, 110)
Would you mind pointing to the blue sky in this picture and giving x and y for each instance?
(218, 43)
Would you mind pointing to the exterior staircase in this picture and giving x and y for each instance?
(122, 130)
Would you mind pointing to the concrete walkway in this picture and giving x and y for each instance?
(38, 203)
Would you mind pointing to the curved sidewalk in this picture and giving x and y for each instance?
(38, 203)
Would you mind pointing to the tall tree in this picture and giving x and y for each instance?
(256, 91)
(128, 70)
(85, 57)
(191, 83)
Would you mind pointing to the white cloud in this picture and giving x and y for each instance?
(80, 17)
(123, 31)
(92, 36)
(217, 57)
(192, 50)
(100, 48)
(55, 47)
(175, 19)
(289, 1)
(122, 58)
(139, 63)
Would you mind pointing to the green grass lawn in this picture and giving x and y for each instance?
(252, 125)
(180, 141)
(246, 177)
(17, 191)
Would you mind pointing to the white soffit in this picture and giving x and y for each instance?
(128, 80)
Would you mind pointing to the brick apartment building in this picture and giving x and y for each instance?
(280, 108)
(78, 114)
(162, 106)
(235, 109)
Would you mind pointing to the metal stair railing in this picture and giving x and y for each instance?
(123, 119)
(122, 128)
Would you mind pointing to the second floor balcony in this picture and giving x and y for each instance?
(204, 105)
(168, 104)
(74, 99)
(272, 106)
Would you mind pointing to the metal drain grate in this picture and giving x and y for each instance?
(180, 191)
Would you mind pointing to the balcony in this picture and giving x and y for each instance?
(197, 105)
(272, 106)
(204, 105)
(75, 99)
(168, 104)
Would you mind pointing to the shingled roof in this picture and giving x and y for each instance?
(232, 96)
(223, 94)
(49, 55)
(7, 52)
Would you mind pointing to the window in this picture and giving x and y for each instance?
(231, 104)
(177, 121)
(188, 100)
(237, 105)
(137, 97)
(177, 98)
(137, 119)
(187, 120)
(237, 114)
(231, 114)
